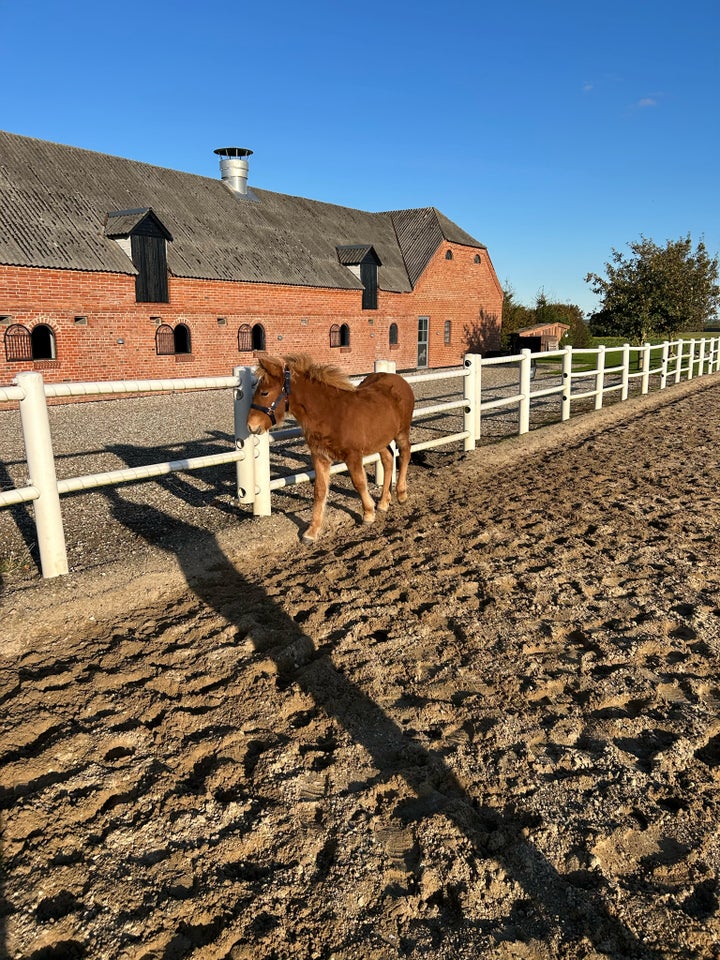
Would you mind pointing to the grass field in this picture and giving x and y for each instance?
(614, 353)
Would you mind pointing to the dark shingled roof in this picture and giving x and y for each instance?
(351, 256)
(57, 204)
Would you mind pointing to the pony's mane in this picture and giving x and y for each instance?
(327, 373)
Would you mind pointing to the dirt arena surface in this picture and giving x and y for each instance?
(486, 726)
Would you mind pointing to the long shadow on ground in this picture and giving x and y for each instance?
(553, 909)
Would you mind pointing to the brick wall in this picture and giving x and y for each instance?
(116, 340)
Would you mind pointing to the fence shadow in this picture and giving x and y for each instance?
(554, 906)
(22, 516)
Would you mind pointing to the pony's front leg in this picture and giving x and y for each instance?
(403, 442)
(322, 480)
(386, 458)
(359, 479)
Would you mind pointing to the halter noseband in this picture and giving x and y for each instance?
(284, 393)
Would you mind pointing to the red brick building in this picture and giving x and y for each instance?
(112, 269)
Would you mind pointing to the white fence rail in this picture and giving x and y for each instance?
(664, 364)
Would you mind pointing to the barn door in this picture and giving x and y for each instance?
(423, 333)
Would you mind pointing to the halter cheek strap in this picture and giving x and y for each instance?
(284, 393)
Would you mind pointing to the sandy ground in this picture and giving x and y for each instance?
(486, 726)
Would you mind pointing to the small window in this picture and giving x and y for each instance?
(18, 343)
(165, 340)
(43, 342)
(393, 335)
(245, 338)
(258, 336)
(448, 255)
(181, 337)
(477, 258)
(340, 335)
(448, 331)
(81, 321)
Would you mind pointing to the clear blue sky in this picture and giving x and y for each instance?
(551, 130)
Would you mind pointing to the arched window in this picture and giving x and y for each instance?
(258, 336)
(340, 335)
(478, 258)
(245, 338)
(393, 338)
(448, 255)
(165, 340)
(18, 343)
(43, 342)
(181, 336)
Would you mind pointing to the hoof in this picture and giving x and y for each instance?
(309, 537)
(384, 507)
(402, 496)
(369, 517)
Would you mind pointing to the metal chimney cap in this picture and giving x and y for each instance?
(233, 152)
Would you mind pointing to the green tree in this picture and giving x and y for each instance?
(658, 291)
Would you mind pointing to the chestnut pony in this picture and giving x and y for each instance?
(339, 421)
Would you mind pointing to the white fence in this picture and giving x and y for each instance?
(660, 365)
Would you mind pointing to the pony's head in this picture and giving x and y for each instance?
(271, 399)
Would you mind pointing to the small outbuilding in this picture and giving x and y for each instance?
(549, 335)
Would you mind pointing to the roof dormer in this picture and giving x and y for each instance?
(143, 237)
(363, 261)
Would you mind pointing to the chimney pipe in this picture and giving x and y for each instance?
(234, 168)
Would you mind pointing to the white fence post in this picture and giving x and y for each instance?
(525, 375)
(691, 360)
(245, 469)
(385, 366)
(253, 471)
(625, 388)
(567, 382)
(471, 410)
(600, 378)
(679, 360)
(701, 358)
(645, 379)
(261, 452)
(41, 467)
(664, 364)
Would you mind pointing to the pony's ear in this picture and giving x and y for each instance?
(272, 366)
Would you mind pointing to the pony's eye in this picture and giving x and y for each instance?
(264, 393)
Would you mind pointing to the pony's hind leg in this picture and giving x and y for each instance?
(320, 492)
(359, 479)
(403, 442)
(386, 458)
